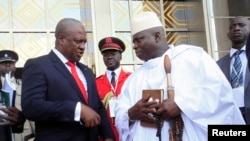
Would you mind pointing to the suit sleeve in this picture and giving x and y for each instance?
(46, 93)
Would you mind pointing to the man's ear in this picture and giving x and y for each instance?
(157, 36)
(60, 38)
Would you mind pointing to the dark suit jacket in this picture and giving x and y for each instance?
(50, 95)
(248, 51)
(224, 64)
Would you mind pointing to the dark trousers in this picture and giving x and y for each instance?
(5, 134)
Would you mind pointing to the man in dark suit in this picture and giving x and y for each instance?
(11, 118)
(239, 29)
(62, 108)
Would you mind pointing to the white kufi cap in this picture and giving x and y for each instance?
(145, 20)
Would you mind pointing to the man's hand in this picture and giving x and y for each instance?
(168, 109)
(143, 110)
(89, 116)
(13, 116)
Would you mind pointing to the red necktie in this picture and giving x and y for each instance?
(77, 79)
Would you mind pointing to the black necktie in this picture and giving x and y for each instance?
(113, 78)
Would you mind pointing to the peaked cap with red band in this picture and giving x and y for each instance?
(111, 43)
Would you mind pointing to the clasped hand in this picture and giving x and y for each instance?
(89, 117)
(144, 110)
(12, 116)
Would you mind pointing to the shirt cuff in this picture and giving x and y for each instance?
(78, 112)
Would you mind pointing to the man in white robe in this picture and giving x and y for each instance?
(203, 96)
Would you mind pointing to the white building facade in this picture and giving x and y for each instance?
(27, 26)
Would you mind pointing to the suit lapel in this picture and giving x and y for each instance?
(88, 80)
(226, 68)
(122, 76)
(65, 73)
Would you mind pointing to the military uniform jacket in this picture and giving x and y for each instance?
(106, 92)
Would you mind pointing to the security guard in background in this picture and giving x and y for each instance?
(13, 119)
(109, 84)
